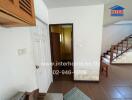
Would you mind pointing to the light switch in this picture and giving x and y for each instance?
(21, 51)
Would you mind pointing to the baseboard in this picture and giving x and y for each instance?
(121, 63)
(89, 81)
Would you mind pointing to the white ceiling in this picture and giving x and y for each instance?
(71, 3)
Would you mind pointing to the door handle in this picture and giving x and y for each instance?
(37, 66)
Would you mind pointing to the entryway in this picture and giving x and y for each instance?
(61, 38)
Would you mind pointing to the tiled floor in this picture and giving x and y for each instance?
(118, 86)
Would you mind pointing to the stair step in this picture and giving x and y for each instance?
(125, 42)
(114, 54)
(117, 52)
(120, 48)
(124, 45)
(130, 39)
(105, 60)
(129, 45)
(131, 36)
(117, 58)
(107, 56)
(114, 60)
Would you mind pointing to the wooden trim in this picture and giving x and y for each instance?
(12, 17)
(61, 24)
(121, 64)
(89, 81)
(50, 43)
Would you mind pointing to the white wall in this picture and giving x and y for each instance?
(88, 21)
(113, 34)
(17, 72)
(41, 10)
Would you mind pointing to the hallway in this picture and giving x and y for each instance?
(118, 86)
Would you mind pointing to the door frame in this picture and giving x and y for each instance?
(72, 44)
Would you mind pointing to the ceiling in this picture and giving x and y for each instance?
(70, 3)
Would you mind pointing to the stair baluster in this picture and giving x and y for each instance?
(111, 53)
(127, 44)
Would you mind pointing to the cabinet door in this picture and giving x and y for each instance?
(20, 9)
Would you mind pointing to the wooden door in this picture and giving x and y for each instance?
(55, 45)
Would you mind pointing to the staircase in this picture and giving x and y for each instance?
(114, 53)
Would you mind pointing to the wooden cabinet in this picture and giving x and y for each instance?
(17, 13)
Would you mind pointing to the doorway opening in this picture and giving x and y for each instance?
(61, 38)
